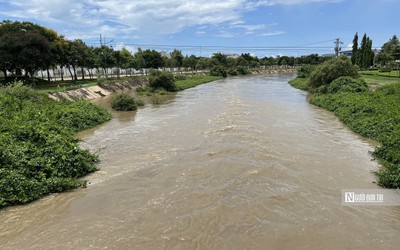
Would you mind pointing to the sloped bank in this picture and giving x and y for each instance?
(101, 90)
(39, 152)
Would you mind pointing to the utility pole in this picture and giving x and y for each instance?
(337, 46)
(101, 41)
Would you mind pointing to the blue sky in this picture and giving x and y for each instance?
(201, 27)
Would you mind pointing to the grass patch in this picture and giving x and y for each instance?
(39, 153)
(393, 73)
(299, 83)
(378, 78)
(193, 81)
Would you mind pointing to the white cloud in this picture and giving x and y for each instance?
(144, 18)
(274, 33)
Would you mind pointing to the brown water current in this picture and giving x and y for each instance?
(241, 163)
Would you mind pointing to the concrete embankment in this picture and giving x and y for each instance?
(98, 91)
(274, 71)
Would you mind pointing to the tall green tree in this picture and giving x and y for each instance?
(390, 51)
(177, 58)
(26, 47)
(152, 59)
(354, 51)
(363, 56)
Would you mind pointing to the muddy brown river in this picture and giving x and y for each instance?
(241, 163)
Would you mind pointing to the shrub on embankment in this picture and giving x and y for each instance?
(373, 114)
(123, 102)
(39, 153)
(329, 71)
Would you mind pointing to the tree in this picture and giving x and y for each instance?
(190, 62)
(363, 56)
(327, 72)
(26, 47)
(104, 58)
(140, 62)
(152, 59)
(390, 51)
(127, 61)
(203, 63)
(177, 58)
(163, 80)
(219, 59)
(354, 52)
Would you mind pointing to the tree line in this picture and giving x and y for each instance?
(26, 48)
(364, 56)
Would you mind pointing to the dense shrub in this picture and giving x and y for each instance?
(299, 83)
(123, 102)
(39, 153)
(218, 71)
(243, 71)
(305, 71)
(180, 77)
(347, 84)
(165, 80)
(232, 72)
(330, 70)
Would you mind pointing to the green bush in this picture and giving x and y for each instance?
(140, 102)
(123, 102)
(330, 70)
(218, 71)
(305, 71)
(39, 153)
(165, 80)
(299, 83)
(232, 72)
(347, 84)
(243, 71)
(180, 77)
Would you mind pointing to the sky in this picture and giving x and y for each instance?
(202, 27)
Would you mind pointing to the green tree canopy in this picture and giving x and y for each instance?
(390, 51)
(327, 72)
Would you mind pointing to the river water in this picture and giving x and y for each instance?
(241, 163)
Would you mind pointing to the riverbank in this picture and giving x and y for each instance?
(374, 114)
(39, 153)
(106, 88)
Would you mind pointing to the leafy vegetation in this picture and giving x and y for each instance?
(390, 53)
(305, 71)
(123, 102)
(164, 80)
(218, 71)
(193, 81)
(299, 83)
(347, 84)
(363, 57)
(325, 73)
(39, 153)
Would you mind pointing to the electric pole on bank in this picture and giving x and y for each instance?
(337, 46)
